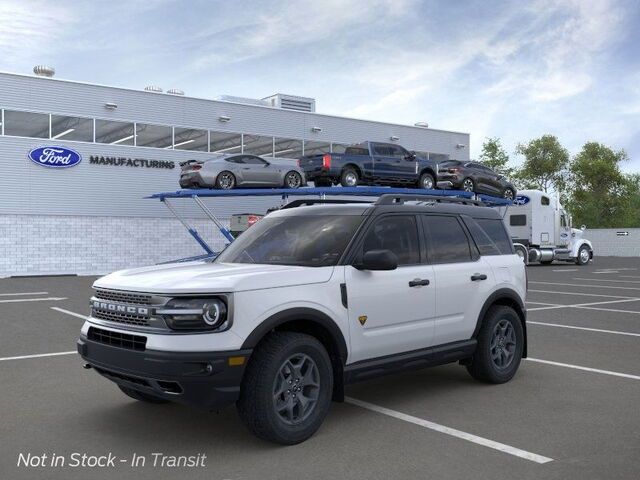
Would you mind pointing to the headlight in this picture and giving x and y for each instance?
(196, 314)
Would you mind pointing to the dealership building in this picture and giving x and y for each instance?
(91, 217)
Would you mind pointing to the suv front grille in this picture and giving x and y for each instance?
(123, 297)
(126, 318)
(117, 339)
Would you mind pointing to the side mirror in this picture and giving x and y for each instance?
(583, 228)
(378, 260)
(410, 156)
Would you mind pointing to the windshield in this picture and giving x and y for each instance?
(310, 241)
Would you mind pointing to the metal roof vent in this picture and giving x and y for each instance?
(175, 91)
(44, 71)
(153, 88)
(292, 102)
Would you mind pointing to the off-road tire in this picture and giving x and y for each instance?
(256, 404)
(482, 366)
(141, 396)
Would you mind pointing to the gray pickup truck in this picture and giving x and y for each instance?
(371, 163)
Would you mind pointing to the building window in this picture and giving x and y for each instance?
(114, 133)
(157, 136)
(227, 143)
(190, 139)
(287, 148)
(338, 147)
(71, 128)
(316, 148)
(26, 124)
(257, 145)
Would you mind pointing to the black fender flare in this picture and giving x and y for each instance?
(512, 297)
(299, 313)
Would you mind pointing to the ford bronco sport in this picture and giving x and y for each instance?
(310, 299)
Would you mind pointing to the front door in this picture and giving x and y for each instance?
(391, 311)
(257, 171)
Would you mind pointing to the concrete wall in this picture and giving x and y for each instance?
(608, 242)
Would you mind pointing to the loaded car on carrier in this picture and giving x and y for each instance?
(310, 299)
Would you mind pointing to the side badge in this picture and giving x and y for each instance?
(362, 319)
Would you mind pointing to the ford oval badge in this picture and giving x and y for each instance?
(521, 200)
(55, 157)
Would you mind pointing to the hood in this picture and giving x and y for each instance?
(205, 277)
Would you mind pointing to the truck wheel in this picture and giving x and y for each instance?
(584, 256)
(286, 390)
(426, 181)
(225, 180)
(141, 396)
(349, 177)
(500, 343)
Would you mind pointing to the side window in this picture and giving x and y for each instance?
(518, 220)
(563, 220)
(494, 239)
(251, 160)
(397, 152)
(381, 150)
(398, 233)
(235, 159)
(545, 200)
(448, 242)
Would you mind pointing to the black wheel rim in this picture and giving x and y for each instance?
(467, 185)
(293, 180)
(503, 344)
(296, 389)
(226, 181)
(508, 194)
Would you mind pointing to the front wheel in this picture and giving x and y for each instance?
(508, 194)
(468, 185)
(584, 255)
(500, 346)
(286, 390)
(293, 179)
(427, 181)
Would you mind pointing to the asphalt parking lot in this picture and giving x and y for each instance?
(572, 411)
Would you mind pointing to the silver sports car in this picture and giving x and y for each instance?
(241, 170)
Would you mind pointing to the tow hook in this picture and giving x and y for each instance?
(86, 366)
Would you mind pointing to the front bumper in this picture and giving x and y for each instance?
(202, 379)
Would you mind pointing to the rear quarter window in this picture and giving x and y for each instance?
(356, 151)
(490, 236)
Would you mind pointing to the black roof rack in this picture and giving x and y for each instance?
(320, 201)
(390, 199)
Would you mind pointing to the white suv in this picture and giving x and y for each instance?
(310, 299)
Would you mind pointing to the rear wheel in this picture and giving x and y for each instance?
(584, 255)
(468, 185)
(349, 177)
(225, 180)
(500, 345)
(427, 181)
(293, 179)
(286, 390)
(141, 396)
(508, 193)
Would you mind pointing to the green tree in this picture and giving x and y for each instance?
(495, 157)
(600, 194)
(545, 164)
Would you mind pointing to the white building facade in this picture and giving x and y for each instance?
(92, 217)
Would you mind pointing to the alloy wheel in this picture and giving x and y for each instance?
(584, 255)
(467, 185)
(226, 181)
(351, 179)
(427, 182)
(293, 180)
(508, 194)
(296, 389)
(503, 344)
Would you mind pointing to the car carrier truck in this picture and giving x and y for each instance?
(541, 230)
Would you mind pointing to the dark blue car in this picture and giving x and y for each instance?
(371, 163)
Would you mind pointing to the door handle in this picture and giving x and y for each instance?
(478, 276)
(418, 282)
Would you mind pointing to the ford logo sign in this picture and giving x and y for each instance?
(55, 157)
(521, 200)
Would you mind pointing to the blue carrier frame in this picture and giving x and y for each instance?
(197, 194)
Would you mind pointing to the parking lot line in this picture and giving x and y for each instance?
(485, 442)
(587, 286)
(68, 312)
(584, 305)
(605, 280)
(608, 309)
(542, 303)
(47, 299)
(598, 330)
(586, 369)
(23, 357)
(566, 270)
(22, 293)
(581, 294)
(629, 276)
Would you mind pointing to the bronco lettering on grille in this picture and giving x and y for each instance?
(117, 308)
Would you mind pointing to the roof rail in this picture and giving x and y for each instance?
(321, 201)
(390, 199)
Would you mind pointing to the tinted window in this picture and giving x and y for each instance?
(228, 143)
(26, 124)
(381, 150)
(518, 220)
(287, 148)
(356, 151)
(545, 200)
(114, 133)
(235, 159)
(71, 128)
(311, 241)
(495, 239)
(398, 234)
(190, 139)
(257, 145)
(251, 160)
(157, 136)
(448, 242)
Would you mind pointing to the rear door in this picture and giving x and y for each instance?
(387, 313)
(383, 161)
(462, 278)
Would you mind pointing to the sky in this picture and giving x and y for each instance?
(509, 69)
